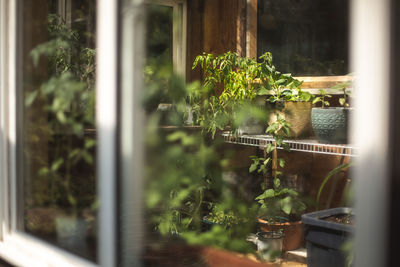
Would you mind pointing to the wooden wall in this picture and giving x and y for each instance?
(217, 26)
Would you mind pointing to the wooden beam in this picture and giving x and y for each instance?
(251, 31)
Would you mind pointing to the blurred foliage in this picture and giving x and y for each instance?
(184, 180)
(184, 170)
(66, 100)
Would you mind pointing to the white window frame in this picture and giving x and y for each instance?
(20, 248)
(369, 37)
(179, 39)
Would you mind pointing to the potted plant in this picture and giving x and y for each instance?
(330, 124)
(280, 207)
(287, 99)
(221, 217)
(236, 89)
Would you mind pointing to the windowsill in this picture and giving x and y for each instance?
(314, 84)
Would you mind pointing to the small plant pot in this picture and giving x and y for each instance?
(330, 125)
(298, 114)
(325, 239)
(269, 245)
(292, 231)
(72, 233)
(252, 125)
(207, 224)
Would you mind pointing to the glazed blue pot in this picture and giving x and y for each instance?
(330, 125)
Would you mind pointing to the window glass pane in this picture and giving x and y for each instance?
(57, 137)
(159, 33)
(227, 169)
(306, 37)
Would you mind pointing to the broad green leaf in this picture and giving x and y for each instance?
(270, 147)
(57, 164)
(253, 167)
(30, 98)
(267, 194)
(282, 162)
(277, 183)
(316, 100)
(266, 161)
(286, 205)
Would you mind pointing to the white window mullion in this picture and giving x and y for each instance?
(106, 120)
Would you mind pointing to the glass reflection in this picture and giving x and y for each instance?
(58, 137)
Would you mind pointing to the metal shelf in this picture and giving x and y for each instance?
(295, 145)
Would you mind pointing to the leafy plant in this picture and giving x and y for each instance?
(344, 101)
(225, 218)
(281, 86)
(277, 203)
(280, 203)
(328, 177)
(183, 175)
(67, 99)
(322, 98)
(231, 82)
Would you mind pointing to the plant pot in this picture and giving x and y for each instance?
(269, 245)
(325, 239)
(292, 231)
(298, 114)
(330, 125)
(72, 234)
(250, 124)
(207, 223)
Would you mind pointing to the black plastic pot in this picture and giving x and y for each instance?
(330, 125)
(325, 239)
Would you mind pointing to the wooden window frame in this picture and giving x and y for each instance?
(179, 39)
(310, 84)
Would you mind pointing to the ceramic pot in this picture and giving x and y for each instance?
(330, 125)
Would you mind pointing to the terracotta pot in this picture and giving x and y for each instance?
(298, 114)
(293, 232)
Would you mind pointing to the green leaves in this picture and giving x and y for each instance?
(66, 101)
(269, 193)
(259, 164)
(30, 98)
(322, 98)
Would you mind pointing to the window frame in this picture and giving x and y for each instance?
(311, 84)
(18, 247)
(179, 39)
